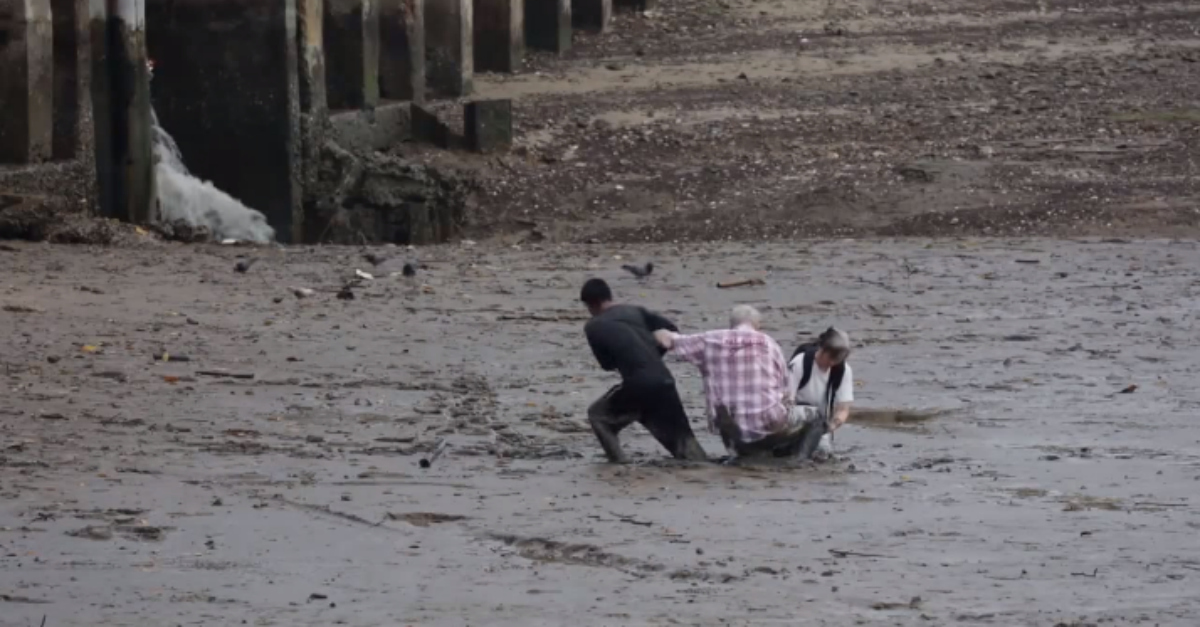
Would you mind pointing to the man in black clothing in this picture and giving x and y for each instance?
(622, 339)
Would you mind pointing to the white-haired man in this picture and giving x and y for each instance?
(746, 384)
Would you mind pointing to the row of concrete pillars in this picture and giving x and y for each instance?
(244, 86)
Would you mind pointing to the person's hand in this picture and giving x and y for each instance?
(665, 338)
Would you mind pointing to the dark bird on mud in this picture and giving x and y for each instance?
(640, 272)
(410, 269)
(243, 265)
(375, 259)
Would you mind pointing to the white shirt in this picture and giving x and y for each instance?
(818, 384)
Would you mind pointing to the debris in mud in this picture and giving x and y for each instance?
(225, 373)
(345, 293)
(244, 265)
(92, 532)
(147, 533)
(913, 604)
(11, 598)
(1129, 390)
(442, 445)
(21, 309)
(409, 270)
(57, 220)
(740, 283)
(317, 596)
(425, 519)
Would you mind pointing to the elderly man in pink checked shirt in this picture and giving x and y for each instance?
(746, 387)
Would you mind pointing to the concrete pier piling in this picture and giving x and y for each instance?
(352, 53)
(226, 87)
(70, 82)
(487, 125)
(26, 81)
(548, 25)
(314, 108)
(634, 5)
(402, 50)
(499, 35)
(449, 60)
(121, 110)
(591, 15)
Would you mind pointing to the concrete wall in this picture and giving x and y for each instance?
(226, 87)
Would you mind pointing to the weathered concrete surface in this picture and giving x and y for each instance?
(402, 50)
(314, 108)
(372, 197)
(70, 30)
(26, 81)
(634, 5)
(548, 25)
(1040, 498)
(487, 125)
(226, 88)
(499, 35)
(380, 129)
(449, 61)
(591, 15)
(352, 53)
(120, 84)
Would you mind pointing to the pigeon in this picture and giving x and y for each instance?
(374, 259)
(243, 265)
(410, 269)
(639, 272)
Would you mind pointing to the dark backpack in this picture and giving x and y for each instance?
(835, 374)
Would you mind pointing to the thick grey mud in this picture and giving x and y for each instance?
(183, 444)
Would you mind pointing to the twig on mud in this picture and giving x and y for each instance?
(1092, 575)
(631, 520)
(225, 373)
(1151, 504)
(740, 283)
(841, 553)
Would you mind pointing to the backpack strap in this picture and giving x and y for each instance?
(835, 381)
(807, 362)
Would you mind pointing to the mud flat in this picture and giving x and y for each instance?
(1002, 478)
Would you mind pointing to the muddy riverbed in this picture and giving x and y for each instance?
(996, 474)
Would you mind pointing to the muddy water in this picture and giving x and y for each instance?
(997, 477)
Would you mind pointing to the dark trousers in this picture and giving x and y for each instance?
(657, 407)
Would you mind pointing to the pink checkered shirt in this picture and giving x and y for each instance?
(745, 370)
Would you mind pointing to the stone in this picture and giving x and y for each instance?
(402, 50)
(499, 35)
(123, 118)
(487, 125)
(591, 15)
(227, 89)
(548, 25)
(26, 81)
(352, 53)
(449, 61)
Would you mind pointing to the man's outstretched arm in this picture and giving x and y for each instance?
(657, 321)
